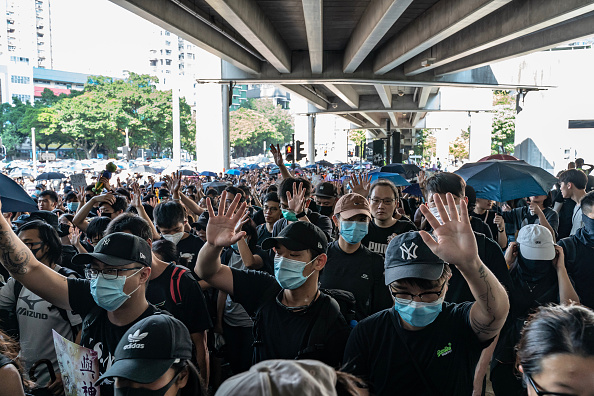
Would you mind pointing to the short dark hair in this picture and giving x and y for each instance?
(384, 183)
(49, 237)
(587, 203)
(97, 226)
(446, 182)
(119, 204)
(287, 185)
(70, 196)
(426, 284)
(165, 249)
(124, 192)
(49, 193)
(132, 223)
(169, 214)
(236, 190)
(574, 176)
(212, 191)
(552, 330)
(272, 196)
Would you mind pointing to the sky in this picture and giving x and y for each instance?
(99, 37)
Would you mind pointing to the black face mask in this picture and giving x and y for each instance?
(127, 391)
(64, 230)
(326, 210)
(108, 215)
(534, 270)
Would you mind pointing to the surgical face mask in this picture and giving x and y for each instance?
(72, 206)
(326, 210)
(235, 247)
(588, 225)
(289, 273)
(128, 391)
(353, 231)
(435, 212)
(418, 313)
(175, 238)
(289, 215)
(109, 293)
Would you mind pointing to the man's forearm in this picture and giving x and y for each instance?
(491, 299)
(14, 255)
(209, 261)
(79, 219)
(191, 205)
(202, 357)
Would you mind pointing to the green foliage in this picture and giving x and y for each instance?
(426, 144)
(358, 136)
(459, 148)
(249, 129)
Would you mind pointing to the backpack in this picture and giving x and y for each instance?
(66, 272)
(330, 310)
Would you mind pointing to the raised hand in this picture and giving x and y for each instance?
(174, 182)
(74, 237)
(559, 260)
(455, 243)
(277, 155)
(221, 230)
(511, 254)
(296, 201)
(360, 184)
(136, 196)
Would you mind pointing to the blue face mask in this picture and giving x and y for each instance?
(109, 293)
(289, 273)
(353, 231)
(289, 215)
(235, 247)
(418, 313)
(72, 206)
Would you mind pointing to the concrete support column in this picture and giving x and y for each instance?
(396, 140)
(225, 125)
(311, 139)
(481, 125)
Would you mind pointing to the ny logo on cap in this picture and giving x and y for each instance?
(411, 251)
(142, 256)
(106, 242)
(137, 336)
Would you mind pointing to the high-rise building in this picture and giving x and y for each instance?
(26, 44)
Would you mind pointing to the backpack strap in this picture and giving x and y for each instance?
(174, 284)
(317, 332)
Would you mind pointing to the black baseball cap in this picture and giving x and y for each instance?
(149, 348)
(299, 235)
(117, 249)
(407, 256)
(326, 189)
(202, 221)
(44, 215)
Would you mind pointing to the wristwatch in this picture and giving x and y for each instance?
(300, 215)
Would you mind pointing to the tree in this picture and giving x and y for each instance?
(358, 136)
(504, 123)
(279, 117)
(11, 125)
(459, 148)
(426, 144)
(249, 130)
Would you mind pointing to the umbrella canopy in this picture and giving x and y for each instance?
(395, 178)
(312, 166)
(505, 180)
(143, 169)
(21, 173)
(408, 170)
(219, 186)
(325, 163)
(50, 176)
(253, 166)
(413, 189)
(13, 197)
(208, 173)
(234, 172)
(503, 157)
(188, 172)
(274, 171)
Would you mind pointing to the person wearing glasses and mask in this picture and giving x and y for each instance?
(351, 266)
(424, 345)
(110, 300)
(556, 352)
(286, 307)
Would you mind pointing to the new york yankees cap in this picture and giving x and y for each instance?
(149, 348)
(407, 256)
(300, 235)
(117, 249)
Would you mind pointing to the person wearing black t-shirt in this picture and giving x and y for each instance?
(423, 345)
(483, 211)
(351, 266)
(387, 222)
(272, 213)
(293, 319)
(111, 301)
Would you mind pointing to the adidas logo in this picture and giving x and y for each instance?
(137, 336)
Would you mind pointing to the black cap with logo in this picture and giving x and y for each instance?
(407, 256)
(326, 189)
(299, 235)
(149, 348)
(117, 249)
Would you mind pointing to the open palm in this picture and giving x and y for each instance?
(221, 228)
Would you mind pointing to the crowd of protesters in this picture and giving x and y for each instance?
(302, 284)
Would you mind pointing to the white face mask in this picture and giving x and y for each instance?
(435, 212)
(175, 238)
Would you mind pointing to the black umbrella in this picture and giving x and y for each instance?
(187, 172)
(407, 170)
(13, 197)
(50, 176)
(143, 169)
(219, 186)
(505, 180)
(325, 163)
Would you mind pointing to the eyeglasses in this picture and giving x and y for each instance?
(545, 393)
(425, 297)
(108, 273)
(385, 201)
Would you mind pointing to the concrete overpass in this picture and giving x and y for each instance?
(377, 63)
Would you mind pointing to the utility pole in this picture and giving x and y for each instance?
(34, 151)
(127, 145)
(293, 162)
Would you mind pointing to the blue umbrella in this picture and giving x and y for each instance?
(312, 166)
(408, 170)
(506, 180)
(253, 166)
(234, 172)
(13, 197)
(395, 178)
(274, 171)
(413, 189)
(208, 173)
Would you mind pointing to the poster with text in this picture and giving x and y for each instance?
(78, 180)
(78, 366)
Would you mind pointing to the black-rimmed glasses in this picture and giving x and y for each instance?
(545, 393)
(108, 273)
(424, 297)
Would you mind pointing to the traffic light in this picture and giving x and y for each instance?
(299, 151)
(124, 152)
(325, 153)
(289, 152)
(357, 148)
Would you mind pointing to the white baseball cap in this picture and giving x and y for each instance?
(536, 242)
